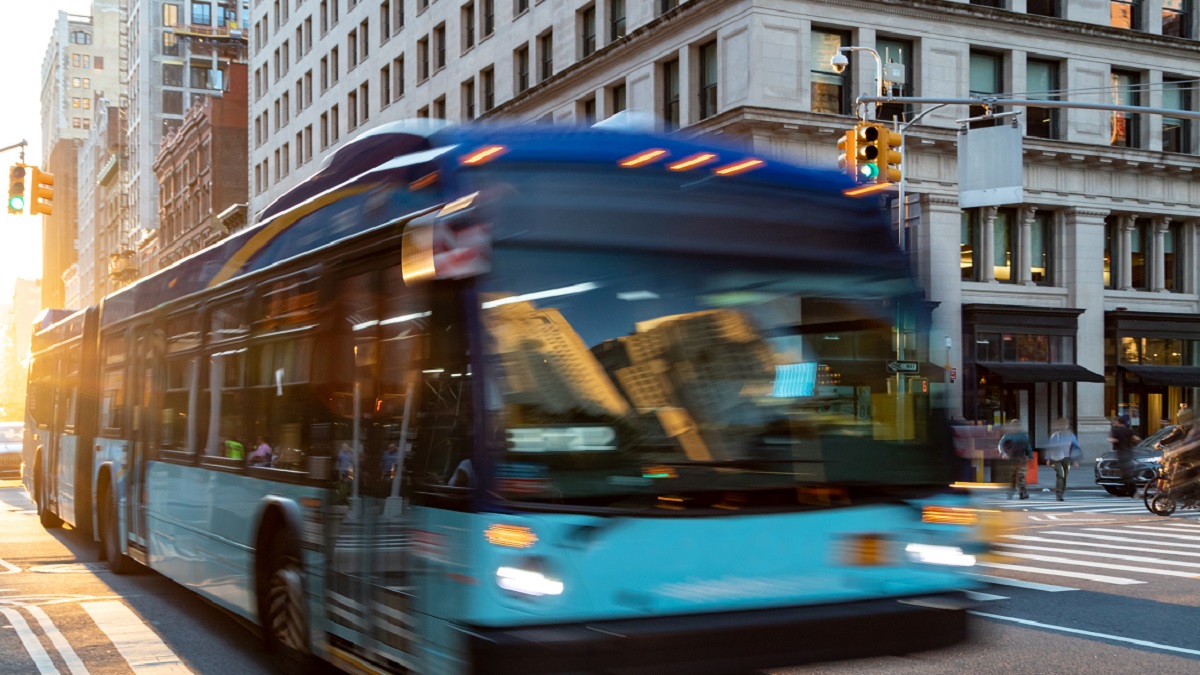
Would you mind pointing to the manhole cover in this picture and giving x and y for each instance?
(68, 568)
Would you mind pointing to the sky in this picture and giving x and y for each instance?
(25, 30)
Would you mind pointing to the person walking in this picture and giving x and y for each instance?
(1122, 439)
(1062, 451)
(1015, 447)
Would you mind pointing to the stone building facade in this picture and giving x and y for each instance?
(1080, 302)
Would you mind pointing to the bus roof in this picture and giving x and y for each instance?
(348, 185)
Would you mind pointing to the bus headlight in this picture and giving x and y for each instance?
(933, 554)
(527, 582)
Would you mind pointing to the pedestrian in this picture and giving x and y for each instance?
(1122, 439)
(262, 453)
(388, 464)
(1062, 451)
(1017, 450)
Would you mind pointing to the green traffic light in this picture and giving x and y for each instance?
(868, 171)
(16, 203)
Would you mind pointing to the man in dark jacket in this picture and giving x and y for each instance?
(1017, 449)
(1122, 439)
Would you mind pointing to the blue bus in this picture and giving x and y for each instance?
(525, 400)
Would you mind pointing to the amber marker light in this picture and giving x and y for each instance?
(692, 162)
(738, 167)
(869, 189)
(485, 154)
(643, 158)
(948, 515)
(512, 536)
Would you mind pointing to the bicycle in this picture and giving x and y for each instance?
(1162, 497)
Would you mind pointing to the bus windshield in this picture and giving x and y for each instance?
(618, 375)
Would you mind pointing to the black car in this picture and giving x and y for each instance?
(1146, 458)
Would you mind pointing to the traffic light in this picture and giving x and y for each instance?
(887, 154)
(858, 152)
(16, 189)
(846, 147)
(41, 192)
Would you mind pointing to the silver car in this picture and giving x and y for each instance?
(11, 434)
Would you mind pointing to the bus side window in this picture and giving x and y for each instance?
(182, 385)
(112, 385)
(403, 338)
(228, 325)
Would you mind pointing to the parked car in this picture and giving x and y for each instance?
(10, 447)
(1146, 458)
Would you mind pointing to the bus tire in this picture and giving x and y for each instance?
(282, 605)
(49, 519)
(110, 533)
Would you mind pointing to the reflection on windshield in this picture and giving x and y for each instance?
(708, 374)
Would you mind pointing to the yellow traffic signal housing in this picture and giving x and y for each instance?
(868, 152)
(41, 192)
(847, 156)
(888, 154)
(16, 189)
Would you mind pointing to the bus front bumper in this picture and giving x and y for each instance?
(724, 643)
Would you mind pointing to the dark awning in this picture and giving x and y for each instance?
(1166, 376)
(1025, 373)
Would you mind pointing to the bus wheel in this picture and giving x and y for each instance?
(282, 603)
(110, 528)
(49, 519)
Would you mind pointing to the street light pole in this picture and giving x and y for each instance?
(840, 63)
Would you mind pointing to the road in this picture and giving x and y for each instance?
(1094, 584)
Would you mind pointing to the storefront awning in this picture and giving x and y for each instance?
(1026, 373)
(1166, 376)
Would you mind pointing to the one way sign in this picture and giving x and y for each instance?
(904, 367)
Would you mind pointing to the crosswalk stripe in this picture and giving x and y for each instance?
(1063, 573)
(142, 649)
(1077, 631)
(1099, 554)
(1119, 547)
(1184, 526)
(1172, 533)
(1033, 585)
(1142, 540)
(33, 646)
(1107, 566)
(60, 643)
(984, 597)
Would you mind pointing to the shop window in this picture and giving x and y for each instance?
(1130, 350)
(1033, 348)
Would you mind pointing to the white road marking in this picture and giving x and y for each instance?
(1174, 533)
(1185, 526)
(1098, 554)
(40, 658)
(1119, 547)
(1064, 573)
(1033, 585)
(1077, 631)
(9, 568)
(142, 649)
(1107, 566)
(1128, 539)
(985, 597)
(60, 643)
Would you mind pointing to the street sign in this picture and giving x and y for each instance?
(990, 166)
(904, 366)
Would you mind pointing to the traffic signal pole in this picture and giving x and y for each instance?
(991, 102)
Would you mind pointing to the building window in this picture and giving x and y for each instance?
(468, 24)
(422, 59)
(1173, 269)
(616, 19)
(364, 39)
(986, 80)
(967, 244)
(364, 100)
(324, 130)
(708, 79)
(468, 99)
(830, 89)
(1042, 7)
(439, 108)
(1176, 131)
(546, 53)
(1125, 14)
(521, 65)
(665, 6)
(352, 110)
(334, 66)
(352, 48)
(1041, 242)
(439, 47)
(201, 14)
(170, 16)
(1112, 235)
(172, 75)
(488, 77)
(385, 86)
(898, 52)
(398, 70)
(398, 8)
(1125, 91)
(489, 17)
(587, 21)
(670, 90)
(1004, 249)
(1041, 83)
(520, 7)
(1138, 247)
(324, 73)
(385, 20)
(324, 12)
(998, 4)
(617, 96)
(170, 44)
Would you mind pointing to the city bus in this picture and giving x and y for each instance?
(523, 400)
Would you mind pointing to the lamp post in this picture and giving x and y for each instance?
(839, 62)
